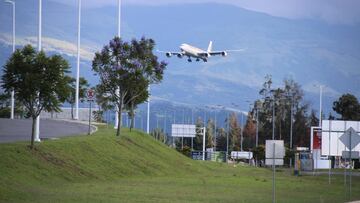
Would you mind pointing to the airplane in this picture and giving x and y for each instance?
(199, 54)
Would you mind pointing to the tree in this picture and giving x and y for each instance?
(83, 86)
(209, 134)
(348, 107)
(121, 65)
(132, 101)
(313, 120)
(199, 135)
(234, 132)
(249, 132)
(221, 140)
(287, 101)
(159, 134)
(39, 82)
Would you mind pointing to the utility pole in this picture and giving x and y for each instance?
(148, 114)
(273, 119)
(37, 126)
(13, 50)
(257, 128)
(118, 90)
(78, 64)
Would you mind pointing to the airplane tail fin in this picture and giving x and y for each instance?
(209, 47)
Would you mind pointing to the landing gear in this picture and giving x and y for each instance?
(205, 60)
(198, 59)
(189, 60)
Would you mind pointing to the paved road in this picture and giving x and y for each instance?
(20, 129)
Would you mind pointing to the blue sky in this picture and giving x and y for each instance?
(321, 50)
(331, 11)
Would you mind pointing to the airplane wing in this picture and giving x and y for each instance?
(223, 53)
(169, 53)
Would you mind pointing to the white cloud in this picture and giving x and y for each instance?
(51, 44)
(332, 11)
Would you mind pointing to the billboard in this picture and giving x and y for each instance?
(182, 130)
(333, 140)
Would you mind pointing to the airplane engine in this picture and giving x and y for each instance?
(207, 55)
(180, 55)
(168, 54)
(224, 53)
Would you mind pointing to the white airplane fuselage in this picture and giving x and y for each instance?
(192, 51)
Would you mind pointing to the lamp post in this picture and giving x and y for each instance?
(13, 50)
(148, 114)
(78, 63)
(37, 126)
(118, 34)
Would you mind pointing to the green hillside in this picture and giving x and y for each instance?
(137, 168)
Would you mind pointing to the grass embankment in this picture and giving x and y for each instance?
(136, 168)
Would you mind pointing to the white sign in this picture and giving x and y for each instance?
(181, 130)
(274, 151)
(279, 149)
(241, 155)
(331, 137)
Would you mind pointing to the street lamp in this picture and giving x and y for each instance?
(320, 105)
(118, 90)
(37, 126)
(13, 46)
(78, 63)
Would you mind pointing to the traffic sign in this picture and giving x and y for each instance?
(350, 138)
(90, 94)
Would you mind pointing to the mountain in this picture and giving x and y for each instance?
(311, 52)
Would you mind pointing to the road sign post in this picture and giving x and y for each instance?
(350, 139)
(274, 154)
(90, 98)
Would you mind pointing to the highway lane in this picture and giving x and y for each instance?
(20, 129)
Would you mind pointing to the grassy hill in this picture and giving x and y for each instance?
(137, 168)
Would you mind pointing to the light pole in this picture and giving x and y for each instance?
(37, 126)
(148, 114)
(78, 63)
(320, 111)
(13, 50)
(118, 34)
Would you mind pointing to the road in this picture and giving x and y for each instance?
(20, 129)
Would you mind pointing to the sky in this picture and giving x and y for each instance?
(330, 11)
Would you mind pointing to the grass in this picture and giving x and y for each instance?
(136, 168)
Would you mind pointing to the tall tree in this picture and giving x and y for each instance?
(221, 140)
(348, 107)
(121, 65)
(287, 101)
(199, 135)
(83, 86)
(249, 132)
(209, 134)
(234, 132)
(39, 82)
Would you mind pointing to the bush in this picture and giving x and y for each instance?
(5, 112)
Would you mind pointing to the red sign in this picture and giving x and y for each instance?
(90, 94)
(317, 140)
